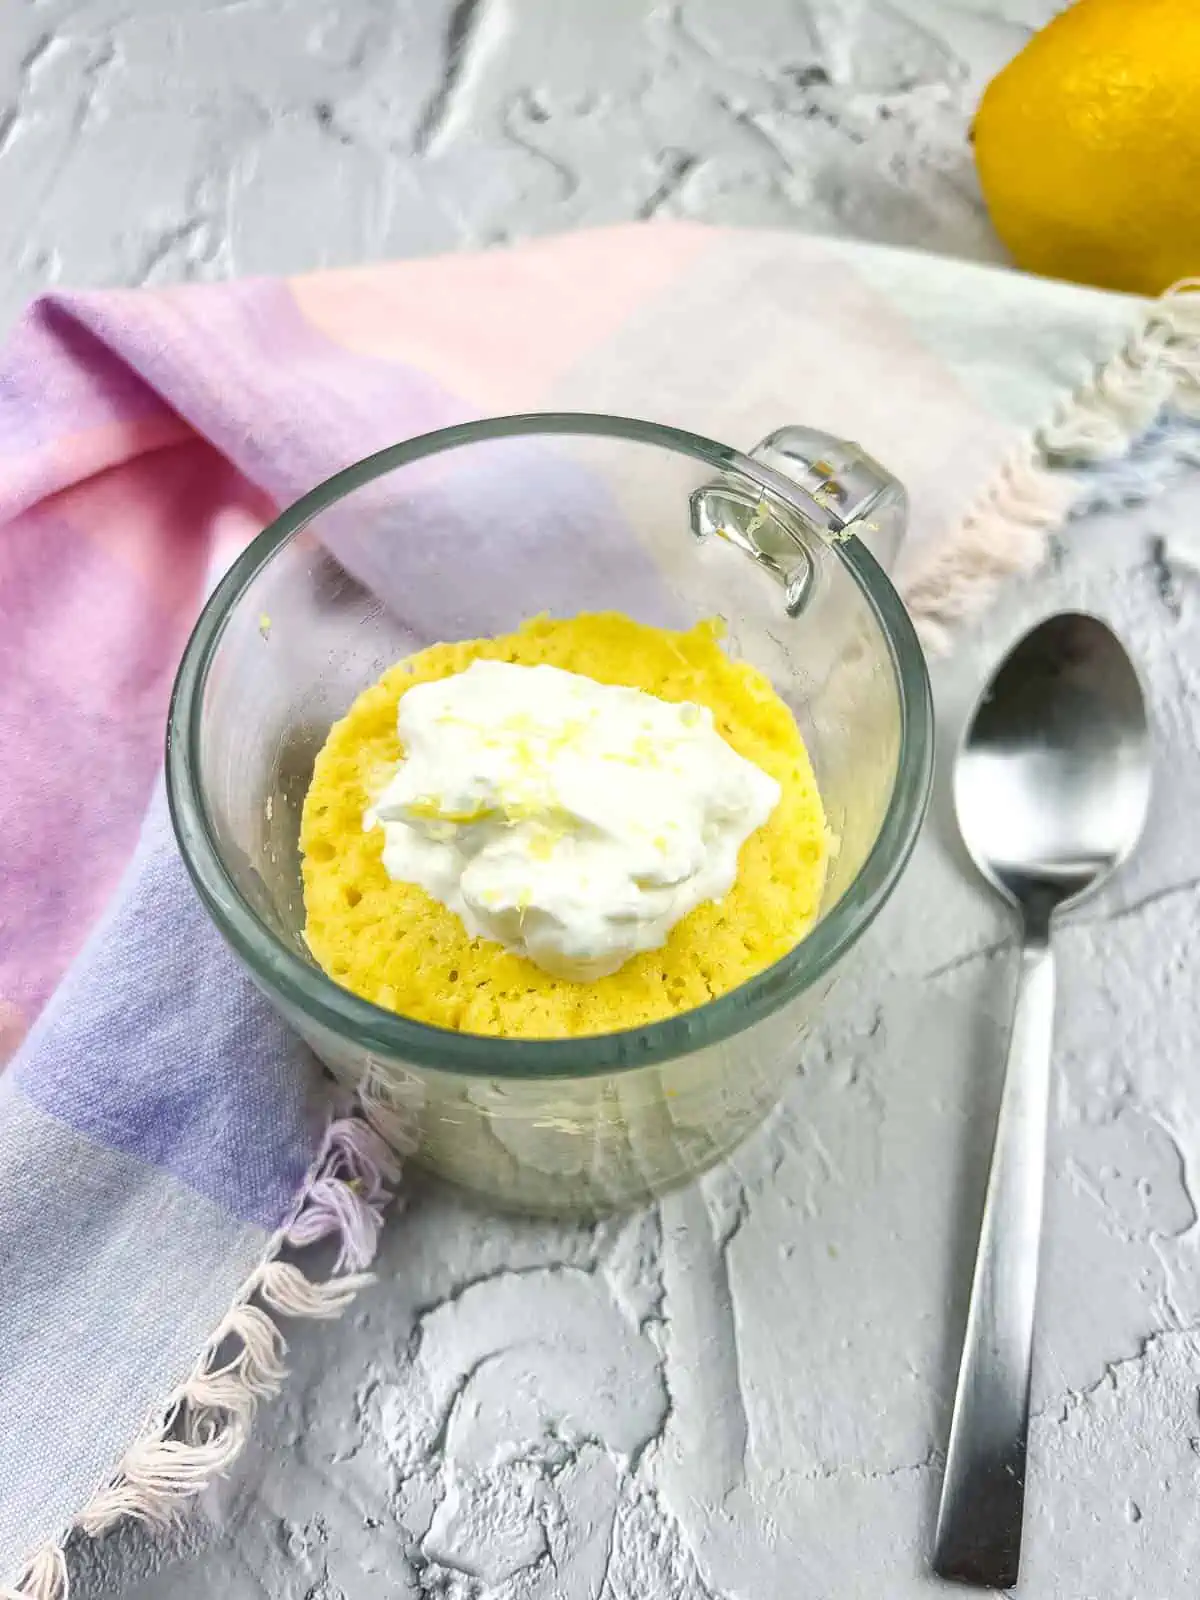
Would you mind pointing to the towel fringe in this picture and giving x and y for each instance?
(44, 1577)
(199, 1432)
(1007, 530)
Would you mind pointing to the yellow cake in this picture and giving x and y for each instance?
(394, 944)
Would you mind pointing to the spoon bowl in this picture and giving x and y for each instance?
(1052, 781)
(1051, 789)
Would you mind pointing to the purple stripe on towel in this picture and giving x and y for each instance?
(115, 1054)
(282, 402)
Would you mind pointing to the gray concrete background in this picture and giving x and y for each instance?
(151, 140)
(742, 1395)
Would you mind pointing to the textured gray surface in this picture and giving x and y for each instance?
(151, 140)
(743, 1394)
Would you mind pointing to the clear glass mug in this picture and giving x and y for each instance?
(468, 532)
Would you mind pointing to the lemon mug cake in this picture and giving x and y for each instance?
(577, 828)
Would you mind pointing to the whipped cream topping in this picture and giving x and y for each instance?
(573, 822)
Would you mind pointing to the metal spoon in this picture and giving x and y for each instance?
(1051, 787)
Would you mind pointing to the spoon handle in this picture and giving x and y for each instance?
(978, 1539)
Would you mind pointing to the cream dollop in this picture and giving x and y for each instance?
(573, 822)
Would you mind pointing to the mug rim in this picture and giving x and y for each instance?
(303, 986)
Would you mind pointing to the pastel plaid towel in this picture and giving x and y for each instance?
(163, 1141)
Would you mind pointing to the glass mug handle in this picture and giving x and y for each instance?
(845, 492)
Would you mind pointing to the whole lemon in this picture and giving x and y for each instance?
(1088, 145)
